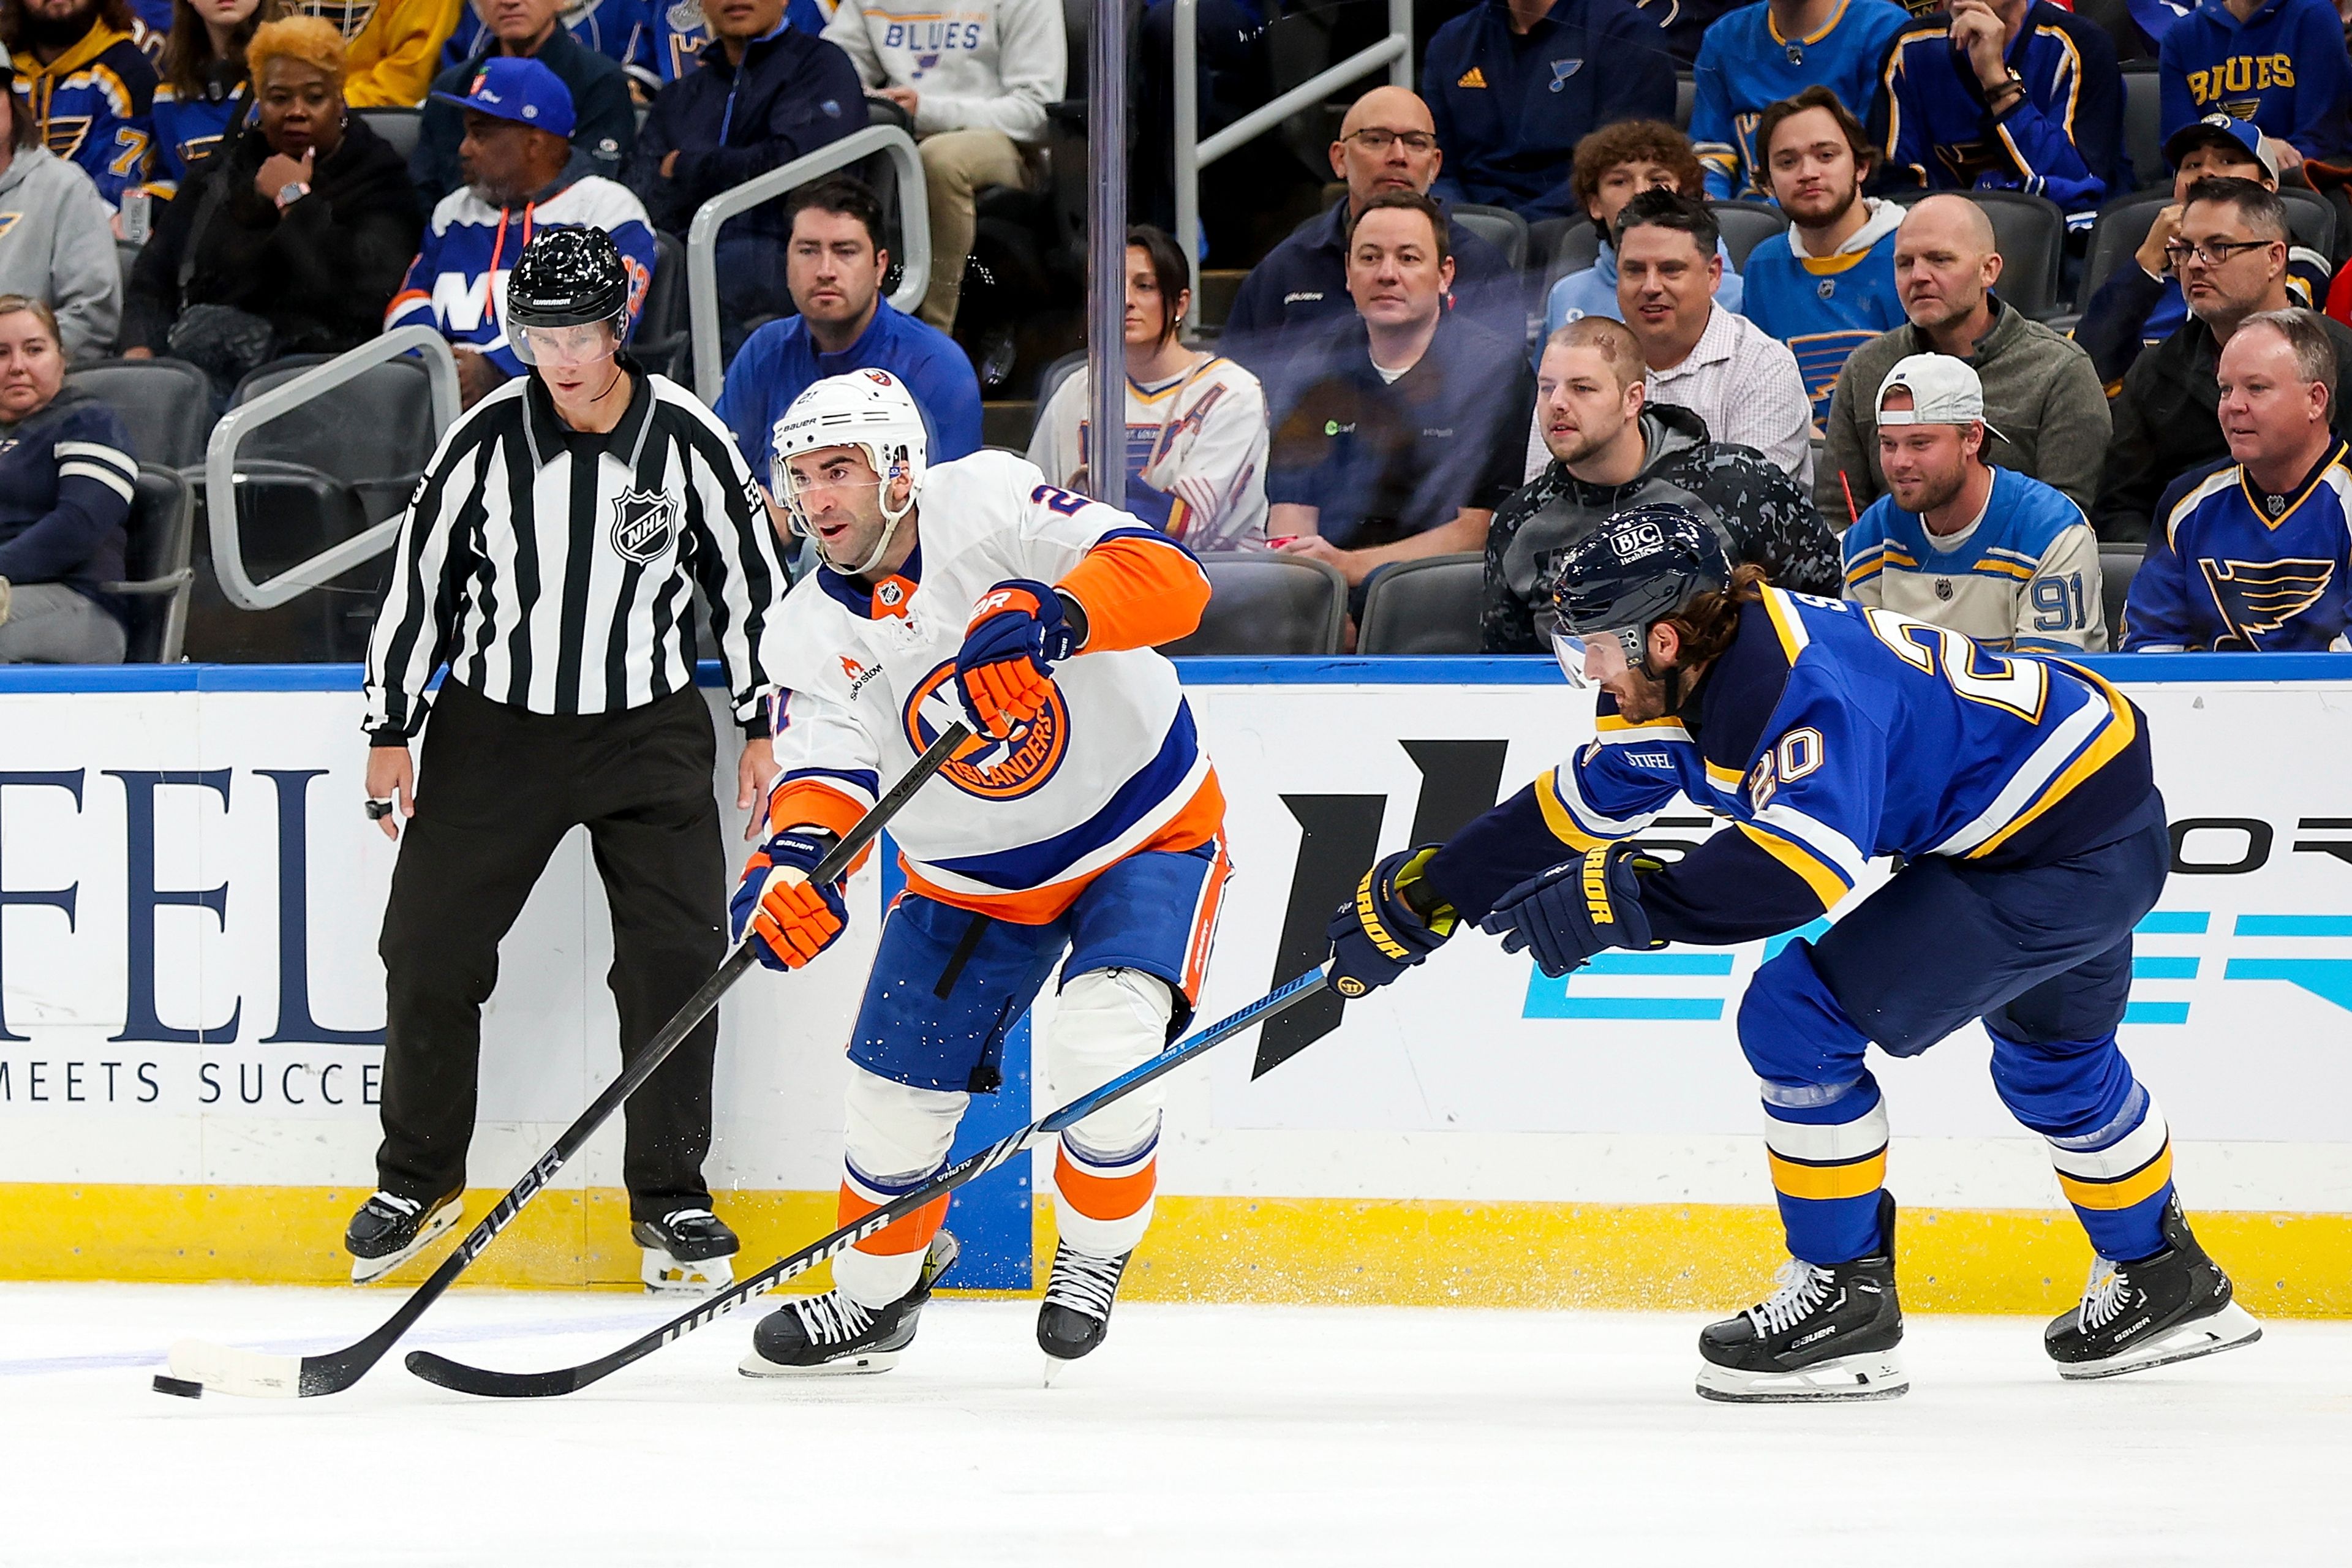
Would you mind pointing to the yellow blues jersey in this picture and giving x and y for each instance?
(1747, 64)
(1829, 733)
(2234, 569)
(2024, 576)
(1825, 307)
(1111, 766)
(94, 105)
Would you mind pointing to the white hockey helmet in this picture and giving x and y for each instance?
(871, 410)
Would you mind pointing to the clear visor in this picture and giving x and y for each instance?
(1573, 650)
(795, 492)
(563, 348)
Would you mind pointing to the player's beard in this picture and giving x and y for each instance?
(1936, 492)
(1836, 215)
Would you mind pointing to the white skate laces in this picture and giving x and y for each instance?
(832, 1319)
(671, 1220)
(2106, 1295)
(407, 1208)
(1802, 1286)
(1084, 1283)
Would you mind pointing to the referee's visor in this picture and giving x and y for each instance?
(580, 344)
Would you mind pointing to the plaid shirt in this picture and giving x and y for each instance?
(1746, 385)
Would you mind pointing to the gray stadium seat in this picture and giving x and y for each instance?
(2118, 563)
(166, 405)
(1576, 247)
(1268, 604)
(372, 434)
(1745, 225)
(1501, 227)
(1546, 236)
(2143, 122)
(2122, 225)
(398, 126)
(1685, 99)
(1049, 381)
(2030, 232)
(662, 342)
(163, 536)
(1424, 606)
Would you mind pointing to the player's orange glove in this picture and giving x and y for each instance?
(791, 919)
(1005, 671)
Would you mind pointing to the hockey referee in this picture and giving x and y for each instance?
(549, 560)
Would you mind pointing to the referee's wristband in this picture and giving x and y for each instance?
(390, 735)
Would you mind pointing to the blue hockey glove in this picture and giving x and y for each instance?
(791, 919)
(1379, 935)
(1005, 671)
(1575, 909)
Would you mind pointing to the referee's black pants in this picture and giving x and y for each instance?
(499, 788)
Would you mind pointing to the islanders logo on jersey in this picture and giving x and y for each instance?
(1017, 765)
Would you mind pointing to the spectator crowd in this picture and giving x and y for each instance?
(1832, 315)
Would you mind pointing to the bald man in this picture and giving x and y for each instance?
(1387, 142)
(2045, 413)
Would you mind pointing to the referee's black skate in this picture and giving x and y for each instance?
(686, 1252)
(389, 1230)
(1075, 1314)
(1826, 1333)
(2174, 1306)
(832, 1335)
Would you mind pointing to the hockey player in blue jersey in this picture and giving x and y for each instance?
(2018, 798)
(2255, 552)
(2282, 66)
(1760, 54)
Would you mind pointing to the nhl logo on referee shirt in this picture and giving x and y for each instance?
(644, 523)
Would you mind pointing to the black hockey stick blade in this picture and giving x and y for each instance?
(258, 1375)
(465, 1379)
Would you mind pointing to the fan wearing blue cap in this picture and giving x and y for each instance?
(2140, 304)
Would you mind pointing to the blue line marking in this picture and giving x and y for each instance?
(2174, 922)
(2294, 925)
(2155, 1013)
(2164, 969)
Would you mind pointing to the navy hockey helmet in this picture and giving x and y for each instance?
(1638, 566)
(566, 278)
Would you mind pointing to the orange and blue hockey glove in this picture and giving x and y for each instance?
(1005, 671)
(790, 919)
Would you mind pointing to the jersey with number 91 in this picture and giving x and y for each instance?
(1111, 765)
(1829, 733)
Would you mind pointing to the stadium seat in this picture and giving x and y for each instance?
(1049, 381)
(1745, 225)
(1576, 248)
(163, 536)
(2143, 120)
(2030, 232)
(1269, 605)
(1545, 238)
(1685, 99)
(1501, 227)
(2122, 225)
(165, 404)
(2118, 563)
(398, 126)
(1424, 606)
(663, 340)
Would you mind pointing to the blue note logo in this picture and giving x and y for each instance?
(2258, 597)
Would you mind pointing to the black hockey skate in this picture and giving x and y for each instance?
(832, 1335)
(1075, 1314)
(686, 1252)
(389, 1230)
(2174, 1306)
(1826, 1333)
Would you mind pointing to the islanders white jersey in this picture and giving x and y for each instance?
(1017, 827)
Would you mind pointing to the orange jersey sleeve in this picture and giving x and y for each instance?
(1137, 592)
(806, 802)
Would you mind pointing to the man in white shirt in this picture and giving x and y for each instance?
(977, 75)
(1720, 366)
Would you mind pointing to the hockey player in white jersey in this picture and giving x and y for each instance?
(1083, 819)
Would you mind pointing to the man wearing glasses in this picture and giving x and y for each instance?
(1387, 142)
(2230, 256)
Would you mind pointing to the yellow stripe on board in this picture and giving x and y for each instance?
(1358, 1251)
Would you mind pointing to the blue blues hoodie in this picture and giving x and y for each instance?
(2284, 69)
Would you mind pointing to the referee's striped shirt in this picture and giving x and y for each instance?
(553, 570)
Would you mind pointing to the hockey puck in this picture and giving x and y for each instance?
(178, 1386)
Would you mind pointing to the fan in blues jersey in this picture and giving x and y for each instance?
(1824, 285)
(2278, 64)
(623, 31)
(1774, 49)
(2016, 797)
(206, 87)
(2253, 554)
(81, 77)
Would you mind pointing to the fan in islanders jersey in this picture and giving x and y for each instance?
(1082, 820)
(2018, 794)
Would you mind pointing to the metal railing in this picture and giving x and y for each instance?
(702, 234)
(220, 464)
(1193, 154)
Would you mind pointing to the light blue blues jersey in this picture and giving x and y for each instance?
(1745, 66)
(1825, 307)
(2023, 576)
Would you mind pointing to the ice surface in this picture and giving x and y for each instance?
(1197, 1436)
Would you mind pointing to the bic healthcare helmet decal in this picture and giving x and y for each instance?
(1017, 765)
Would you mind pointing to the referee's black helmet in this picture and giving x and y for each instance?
(567, 277)
(1638, 566)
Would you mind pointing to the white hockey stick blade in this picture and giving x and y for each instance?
(226, 1370)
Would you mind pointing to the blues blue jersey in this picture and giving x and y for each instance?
(2063, 139)
(94, 105)
(1825, 307)
(188, 132)
(621, 30)
(1745, 66)
(2232, 568)
(2283, 68)
(1829, 733)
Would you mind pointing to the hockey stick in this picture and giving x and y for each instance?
(261, 1376)
(441, 1370)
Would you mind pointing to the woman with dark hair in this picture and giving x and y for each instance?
(290, 240)
(54, 243)
(1196, 434)
(206, 87)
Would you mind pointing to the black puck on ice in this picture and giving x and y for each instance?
(178, 1386)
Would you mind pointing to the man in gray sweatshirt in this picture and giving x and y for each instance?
(56, 240)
